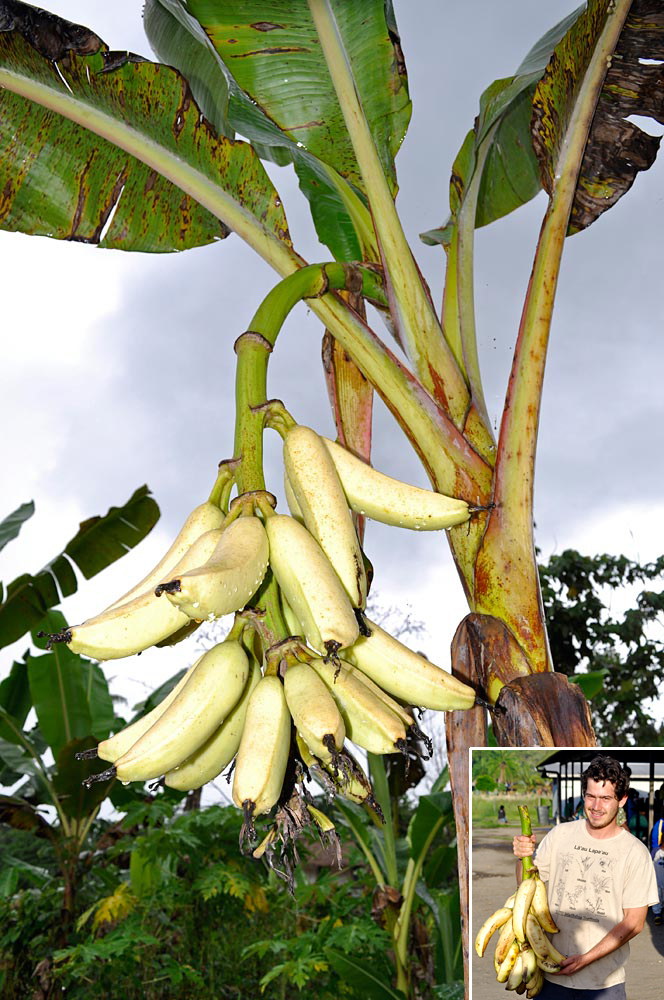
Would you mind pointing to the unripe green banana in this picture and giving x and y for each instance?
(389, 500)
(206, 763)
(539, 942)
(407, 675)
(118, 744)
(211, 692)
(139, 623)
(321, 500)
(230, 576)
(262, 757)
(522, 901)
(399, 710)
(315, 713)
(310, 585)
(540, 907)
(370, 724)
(491, 924)
(206, 517)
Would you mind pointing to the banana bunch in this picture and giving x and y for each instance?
(523, 952)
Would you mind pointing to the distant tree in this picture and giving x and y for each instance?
(587, 634)
(483, 783)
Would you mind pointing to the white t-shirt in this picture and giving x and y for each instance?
(590, 882)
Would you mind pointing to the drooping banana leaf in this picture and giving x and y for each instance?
(15, 699)
(616, 149)
(93, 144)
(98, 543)
(12, 524)
(281, 98)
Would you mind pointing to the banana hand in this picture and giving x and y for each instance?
(211, 692)
(310, 585)
(407, 675)
(228, 579)
(321, 502)
(389, 500)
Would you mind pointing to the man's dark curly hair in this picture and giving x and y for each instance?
(602, 768)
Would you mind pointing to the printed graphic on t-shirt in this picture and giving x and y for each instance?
(585, 881)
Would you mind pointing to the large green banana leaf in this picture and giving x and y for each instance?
(281, 97)
(107, 148)
(12, 524)
(15, 699)
(98, 543)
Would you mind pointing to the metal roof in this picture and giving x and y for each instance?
(638, 759)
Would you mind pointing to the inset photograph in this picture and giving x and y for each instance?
(567, 873)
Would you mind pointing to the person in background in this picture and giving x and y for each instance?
(638, 822)
(657, 851)
(502, 816)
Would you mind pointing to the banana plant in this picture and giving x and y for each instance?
(154, 164)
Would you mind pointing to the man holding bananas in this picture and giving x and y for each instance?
(600, 885)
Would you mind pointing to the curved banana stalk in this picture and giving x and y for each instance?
(370, 724)
(315, 713)
(407, 675)
(230, 576)
(211, 692)
(310, 585)
(139, 623)
(390, 501)
(262, 756)
(206, 517)
(206, 763)
(490, 925)
(312, 477)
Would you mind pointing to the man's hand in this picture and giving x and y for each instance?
(572, 964)
(523, 847)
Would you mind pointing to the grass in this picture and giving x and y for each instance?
(485, 808)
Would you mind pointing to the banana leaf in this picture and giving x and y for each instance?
(89, 137)
(12, 524)
(616, 149)
(362, 979)
(278, 93)
(99, 542)
(15, 698)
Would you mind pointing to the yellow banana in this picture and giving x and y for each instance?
(399, 710)
(541, 945)
(315, 713)
(310, 585)
(515, 976)
(504, 943)
(230, 576)
(529, 962)
(510, 901)
(407, 675)
(211, 692)
(370, 724)
(507, 963)
(321, 500)
(535, 984)
(490, 925)
(389, 500)
(262, 756)
(206, 763)
(540, 907)
(139, 623)
(522, 901)
(118, 744)
(206, 517)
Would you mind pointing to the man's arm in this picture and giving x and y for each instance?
(631, 925)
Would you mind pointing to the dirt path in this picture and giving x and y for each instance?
(493, 880)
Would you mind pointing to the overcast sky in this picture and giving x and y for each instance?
(118, 368)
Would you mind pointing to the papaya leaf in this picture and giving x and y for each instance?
(12, 524)
(98, 543)
(616, 149)
(134, 159)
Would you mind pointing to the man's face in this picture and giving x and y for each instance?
(600, 804)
